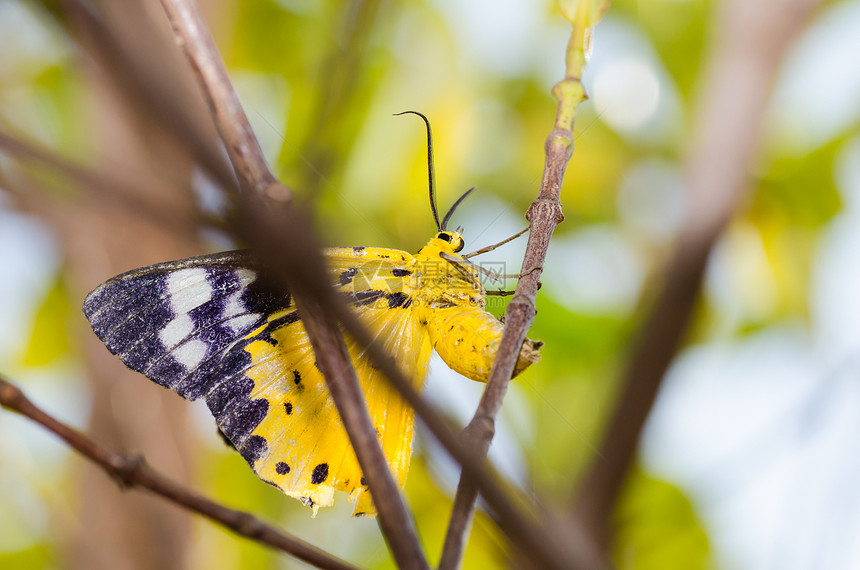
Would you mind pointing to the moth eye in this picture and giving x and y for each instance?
(444, 236)
(460, 245)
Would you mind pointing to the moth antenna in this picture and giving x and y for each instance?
(455, 205)
(431, 170)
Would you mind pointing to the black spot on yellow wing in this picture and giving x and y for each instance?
(346, 276)
(398, 299)
(255, 446)
(272, 326)
(297, 377)
(320, 473)
(400, 272)
(288, 407)
(358, 248)
(370, 296)
(282, 468)
(364, 481)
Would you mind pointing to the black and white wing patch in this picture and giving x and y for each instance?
(174, 321)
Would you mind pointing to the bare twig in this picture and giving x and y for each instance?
(242, 146)
(304, 274)
(149, 83)
(132, 471)
(544, 215)
(265, 234)
(263, 188)
(515, 517)
(100, 186)
(544, 540)
(752, 39)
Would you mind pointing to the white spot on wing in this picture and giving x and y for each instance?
(234, 305)
(176, 330)
(234, 308)
(188, 288)
(234, 311)
(239, 324)
(245, 276)
(190, 354)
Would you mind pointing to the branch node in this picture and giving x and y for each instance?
(524, 302)
(126, 469)
(10, 396)
(249, 525)
(480, 431)
(279, 193)
(545, 208)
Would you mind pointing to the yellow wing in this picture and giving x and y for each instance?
(297, 441)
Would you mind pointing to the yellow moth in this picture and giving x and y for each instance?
(206, 327)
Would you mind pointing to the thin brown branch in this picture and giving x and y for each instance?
(246, 156)
(516, 519)
(751, 40)
(133, 472)
(543, 539)
(150, 82)
(306, 279)
(103, 187)
(304, 274)
(544, 215)
(263, 188)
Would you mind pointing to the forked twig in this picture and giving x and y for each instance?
(544, 215)
(262, 188)
(312, 289)
(133, 472)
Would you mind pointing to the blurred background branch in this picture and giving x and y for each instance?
(750, 41)
(133, 472)
(302, 269)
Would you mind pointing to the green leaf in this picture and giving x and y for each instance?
(49, 340)
(34, 557)
(657, 527)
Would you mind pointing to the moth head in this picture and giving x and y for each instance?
(453, 238)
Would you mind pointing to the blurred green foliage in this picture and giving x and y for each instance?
(658, 527)
(49, 340)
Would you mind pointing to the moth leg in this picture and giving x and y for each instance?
(460, 263)
(529, 272)
(490, 248)
(504, 293)
(494, 276)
